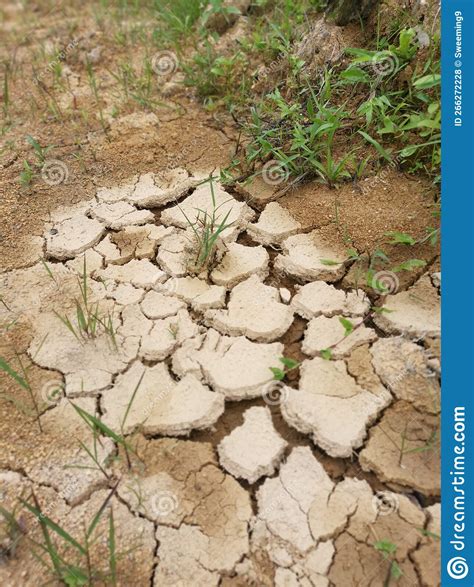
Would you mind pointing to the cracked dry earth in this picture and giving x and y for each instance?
(238, 480)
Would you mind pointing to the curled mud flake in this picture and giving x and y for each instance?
(258, 192)
(74, 236)
(157, 306)
(120, 214)
(88, 364)
(117, 193)
(167, 335)
(284, 503)
(155, 190)
(415, 312)
(234, 366)
(274, 225)
(253, 449)
(160, 405)
(327, 396)
(173, 256)
(93, 262)
(320, 298)
(194, 291)
(324, 333)
(139, 273)
(310, 257)
(239, 263)
(254, 310)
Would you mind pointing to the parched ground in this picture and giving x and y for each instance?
(216, 468)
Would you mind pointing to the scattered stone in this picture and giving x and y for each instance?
(120, 214)
(415, 312)
(140, 273)
(160, 406)
(72, 236)
(332, 407)
(320, 298)
(404, 368)
(237, 214)
(323, 333)
(285, 295)
(310, 257)
(239, 263)
(254, 449)
(166, 335)
(254, 310)
(274, 225)
(156, 305)
(234, 366)
(403, 449)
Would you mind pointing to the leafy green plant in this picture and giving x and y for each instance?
(388, 551)
(288, 365)
(26, 176)
(207, 228)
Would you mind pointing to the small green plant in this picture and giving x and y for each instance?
(70, 559)
(95, 92)
(12, 531)
(22, 379)
(207, 229)
(388, 551)
(40, 152)
(288, 365)
(26, 176)
(89, 321)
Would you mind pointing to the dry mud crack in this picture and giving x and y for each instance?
(170, 353)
